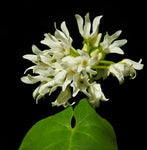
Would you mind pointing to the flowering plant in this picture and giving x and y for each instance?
(78, 70)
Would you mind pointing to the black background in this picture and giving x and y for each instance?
(126, 109)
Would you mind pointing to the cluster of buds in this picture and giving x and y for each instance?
(77, 70)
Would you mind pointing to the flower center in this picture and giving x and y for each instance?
(84, 63)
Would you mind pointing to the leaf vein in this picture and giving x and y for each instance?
(88, 136)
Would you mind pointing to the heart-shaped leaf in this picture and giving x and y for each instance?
(91, 132)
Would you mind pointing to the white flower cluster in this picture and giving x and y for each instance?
(62, 66)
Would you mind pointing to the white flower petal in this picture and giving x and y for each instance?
(116, 50)
(136, 65)
(30, 79)
(80, 83)
(83, 54)
(129, 71)
(64, 29)
(114, 36)
(87, 27)
(31, 57)
(80, 23)
(38, 98)
(36, 50)
(96, 95)
(51, 41)
(96, 39)
(54, 88)
(117, 70)
(32, 67)
(35, 93)
(110, 46)
(80, 68)
(93, 60)
(63, 98)
(118, 43)
(61, 37)
(66, 83)
(74, 85)
(44, 89)
(95, 26)
(97, 91)
(59, 78)
(102, 73)
(75, 88)
(26, 80)
(109, 39)
(89, 70)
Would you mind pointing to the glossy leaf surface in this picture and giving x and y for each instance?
(91, 132)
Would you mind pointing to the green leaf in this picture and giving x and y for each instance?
(91, 132)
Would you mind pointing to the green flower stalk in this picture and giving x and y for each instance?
(78, 70)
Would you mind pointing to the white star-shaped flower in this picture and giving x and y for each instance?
(109, 45)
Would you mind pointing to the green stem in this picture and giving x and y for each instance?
(100, 67)
(107, 62)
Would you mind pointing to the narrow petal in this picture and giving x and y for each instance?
(93, 60)
(75, 90)
(114, 36)
(89, 70)
(109, 39)
(136, 65)
(67, 81)
(35, 93)
(83, 54)
(26, 80)
(46, 59)
(99, 93)
(129, 71)
(74, 85)
(117, 70)
(116, 50)
(51, 41)
(31, 57)
(80, 23)
(59, 78)
(61, 36)
(118, 43)
(96, 39)
(36, 50)
(30, 79)
(64, 29)
(87, 27)
(38, 98)
(44, 89)
(105, 44)
(133, 73)
(96, 95)
(63, 98)
(95, 26)
(32, 67)
(54, 88)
